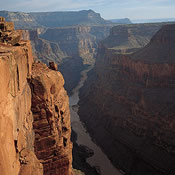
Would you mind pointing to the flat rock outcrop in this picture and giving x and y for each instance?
(121, 21)
(129, 106)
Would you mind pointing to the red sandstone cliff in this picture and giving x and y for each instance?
(17, 138)
(50, 107)
(35, 119)
(129, 106)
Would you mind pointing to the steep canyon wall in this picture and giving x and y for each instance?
(17, 136)
(43, 50)
(50, 107)
(53, 19)
(68, 38)
(79, 46)
(128, 104)
(35, 120)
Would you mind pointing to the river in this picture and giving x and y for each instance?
(99, 159)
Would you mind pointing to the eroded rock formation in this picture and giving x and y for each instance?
(43, 50)
(129, 106)
(72, 48)
(50, 107)
(37, 139)
(78, 41)
(7, 33)
(53, 19)
(16, 129)
(124, 37)
(79, 46)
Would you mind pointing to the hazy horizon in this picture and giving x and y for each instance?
(111, 9)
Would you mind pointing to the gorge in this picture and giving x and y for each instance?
(128, 100)
(98, 160)
(120, 82)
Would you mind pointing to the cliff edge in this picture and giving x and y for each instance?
(33, 140)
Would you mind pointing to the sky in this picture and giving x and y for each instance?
(109, 9)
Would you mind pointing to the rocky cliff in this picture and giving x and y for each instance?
(72, 48)
(78, 41)
(124, 37)
(68, 38)
(35, 118)
(17, 136)
(53, 19)
(129, 104)
(50, 107)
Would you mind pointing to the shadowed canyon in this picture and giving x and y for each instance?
(81, 95)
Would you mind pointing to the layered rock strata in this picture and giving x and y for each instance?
(129, 106)
(17, 136)
(77, 41)
(35, 119)
(50, 107)
(53, 19)
(124, 37)
(7, 33)
(43, 50)
(79, 46)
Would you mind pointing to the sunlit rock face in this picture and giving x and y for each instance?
(17, 136)
(50, 107)
(128, 104)
(35, 120)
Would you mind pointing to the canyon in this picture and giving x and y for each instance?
(74, 47)
(83, 38)
(34, 20)
(68, 38)
(126, 105)
(92, 153)
(128, 99)
(53, 19)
